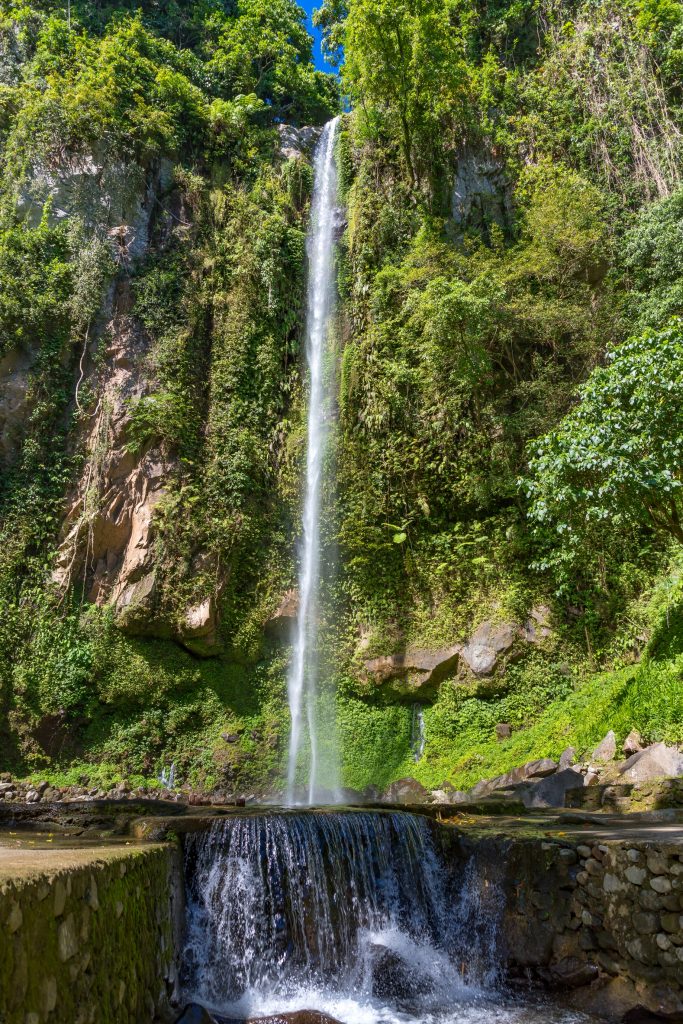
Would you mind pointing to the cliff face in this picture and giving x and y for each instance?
(499, 237)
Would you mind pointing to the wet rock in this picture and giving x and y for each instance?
(195, 1014)
(572, 973)
(414, 673)
(297, 1017)
(606, 749)
(486, 645)
(394, 978)
(407, 791)
(655, 761)
(640, 1015)
(280, 625)
(633, 743)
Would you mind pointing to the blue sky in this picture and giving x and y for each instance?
(309, 6)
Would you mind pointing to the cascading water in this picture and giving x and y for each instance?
(323, 908)
(302, 683)
(352, 914)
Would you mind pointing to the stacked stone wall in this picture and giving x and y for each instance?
(92, 942)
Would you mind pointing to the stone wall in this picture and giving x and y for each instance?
(89, 936)
(600, 921)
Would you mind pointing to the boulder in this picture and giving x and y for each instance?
(551, 791)
(567, 758)
(606, 749)
(406, 791)
(516, 776)
(280, 625)
(413, 674)
(297, 142)
(633, 743)
(393, 977)
(296, 1017)
(541, 768)
(486, 645)
(572, 973)
(198, 632)
(656, 761)
(195, 1014)
(503, 731)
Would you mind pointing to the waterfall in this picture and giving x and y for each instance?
(302, 684)
(347, 912)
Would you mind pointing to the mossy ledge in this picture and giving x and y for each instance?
(89, 936)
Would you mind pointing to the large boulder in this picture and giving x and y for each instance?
(552, 791)
(280, 625)
(606, 749)
(413, 674)
(298, 142)
(486, 645)
(656, 761)
(406, 791)
(516, 776)
(199, 629)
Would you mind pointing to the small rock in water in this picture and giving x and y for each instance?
(195, 1014)
(394, 978)
(297, 1017)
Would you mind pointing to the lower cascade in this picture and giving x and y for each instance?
(349, 913)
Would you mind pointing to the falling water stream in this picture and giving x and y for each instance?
(351, 913)
(303, 679)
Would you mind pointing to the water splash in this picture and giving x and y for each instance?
(302, 683)
(282, 905)
(352, 914)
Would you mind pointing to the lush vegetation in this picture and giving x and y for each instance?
(508, 355)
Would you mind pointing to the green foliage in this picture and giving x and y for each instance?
(405, 71)
(36, 278)
(615, 460)
(653, 260)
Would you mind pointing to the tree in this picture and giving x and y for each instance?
(616, 460)
(405, 72)
(266, 50)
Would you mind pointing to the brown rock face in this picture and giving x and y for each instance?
(414, 674)
(280, 626)
(107, 534)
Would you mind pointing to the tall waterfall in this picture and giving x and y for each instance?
(302, 684)
(347, 912)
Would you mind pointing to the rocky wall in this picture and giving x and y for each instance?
(89, 937)
(601, 922)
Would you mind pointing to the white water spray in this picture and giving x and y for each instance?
(302, 684)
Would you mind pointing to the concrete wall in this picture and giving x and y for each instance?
(89, 936)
